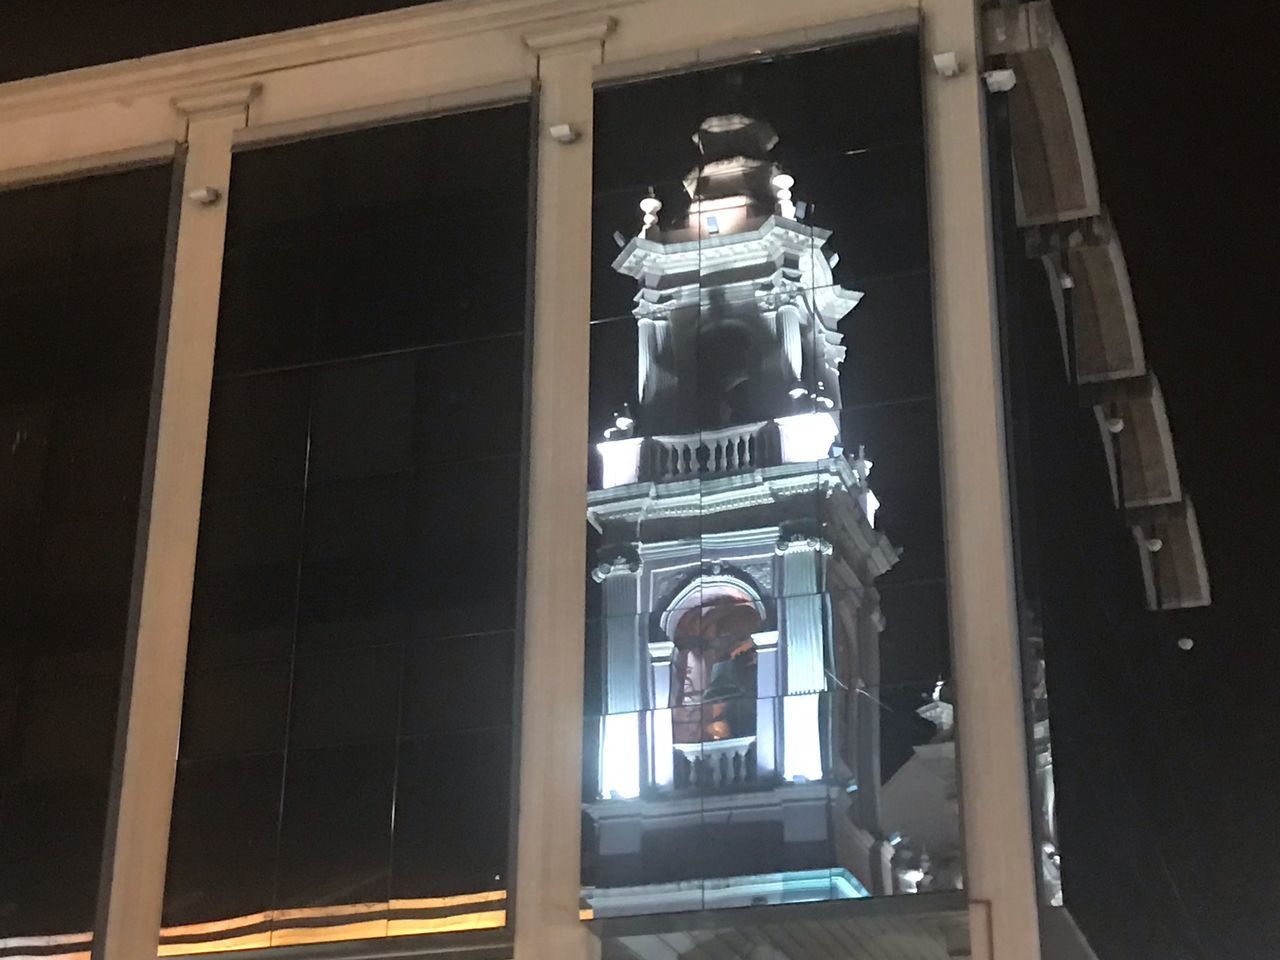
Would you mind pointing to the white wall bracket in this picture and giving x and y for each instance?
(947, 64)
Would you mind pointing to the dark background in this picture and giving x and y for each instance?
(1170, 93)
(1177, 96)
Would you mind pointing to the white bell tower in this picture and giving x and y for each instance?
(741, 622)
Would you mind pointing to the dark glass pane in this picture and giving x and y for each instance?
(345, 697)
(452, 810)
(901, 442)
(335, 840)
(356, 574)
(257, 433)
(889, 337)
(362, 418)
(875, 204)
(235, 710)
(236, 800)
(469, 400)
(277, 284)
(51, 836)
(767, 636)
(81, 266)
(915, 644)
(458, 683)
(465, 549)
(797, 94)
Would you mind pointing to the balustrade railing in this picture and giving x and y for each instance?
(715, 764)
(711, 453)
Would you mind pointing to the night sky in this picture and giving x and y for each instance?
(1170, 94)
(1176, 97)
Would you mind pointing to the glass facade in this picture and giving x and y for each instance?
(769, 712)
(81, 265)
(345, 768)
(768, 715)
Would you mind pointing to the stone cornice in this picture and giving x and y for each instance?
(165, 74)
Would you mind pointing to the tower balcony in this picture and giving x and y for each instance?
(710, 453)
(715, 453)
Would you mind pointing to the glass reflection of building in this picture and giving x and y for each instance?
(740, 618)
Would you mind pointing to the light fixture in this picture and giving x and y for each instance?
(649, 206)
(1000, 81)
(1115, 424)
(564, 133)
(807, 436)
(797, 390)
(782, 184)
(623, 420)
(947, 64)
(205, 196)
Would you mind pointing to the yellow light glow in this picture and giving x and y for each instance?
(487, 920)
(248, 941)
(356, 921)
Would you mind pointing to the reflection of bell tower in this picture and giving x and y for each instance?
(741, 623)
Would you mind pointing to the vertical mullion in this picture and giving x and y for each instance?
(994, 788)
(548, 858)
(137, 837)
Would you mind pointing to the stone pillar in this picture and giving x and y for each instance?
(991, 725)
(548, 872)
(136, 850)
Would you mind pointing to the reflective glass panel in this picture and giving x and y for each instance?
(768, 713)
(345, 763)
(81, 266)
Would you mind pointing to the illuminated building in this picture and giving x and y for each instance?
(295, 582)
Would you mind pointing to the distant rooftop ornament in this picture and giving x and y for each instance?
(782, 184)
(734, 135)
(650, 206)
(735, 159)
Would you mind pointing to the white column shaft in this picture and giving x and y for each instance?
(548, 871)
(992, 749)
(802, 622)
(136, 850)
(626, 655)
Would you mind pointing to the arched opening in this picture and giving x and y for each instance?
(713, 683)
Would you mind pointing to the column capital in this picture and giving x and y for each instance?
(217, 100)
(569, 34)
(802, 543)
(616, 562)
